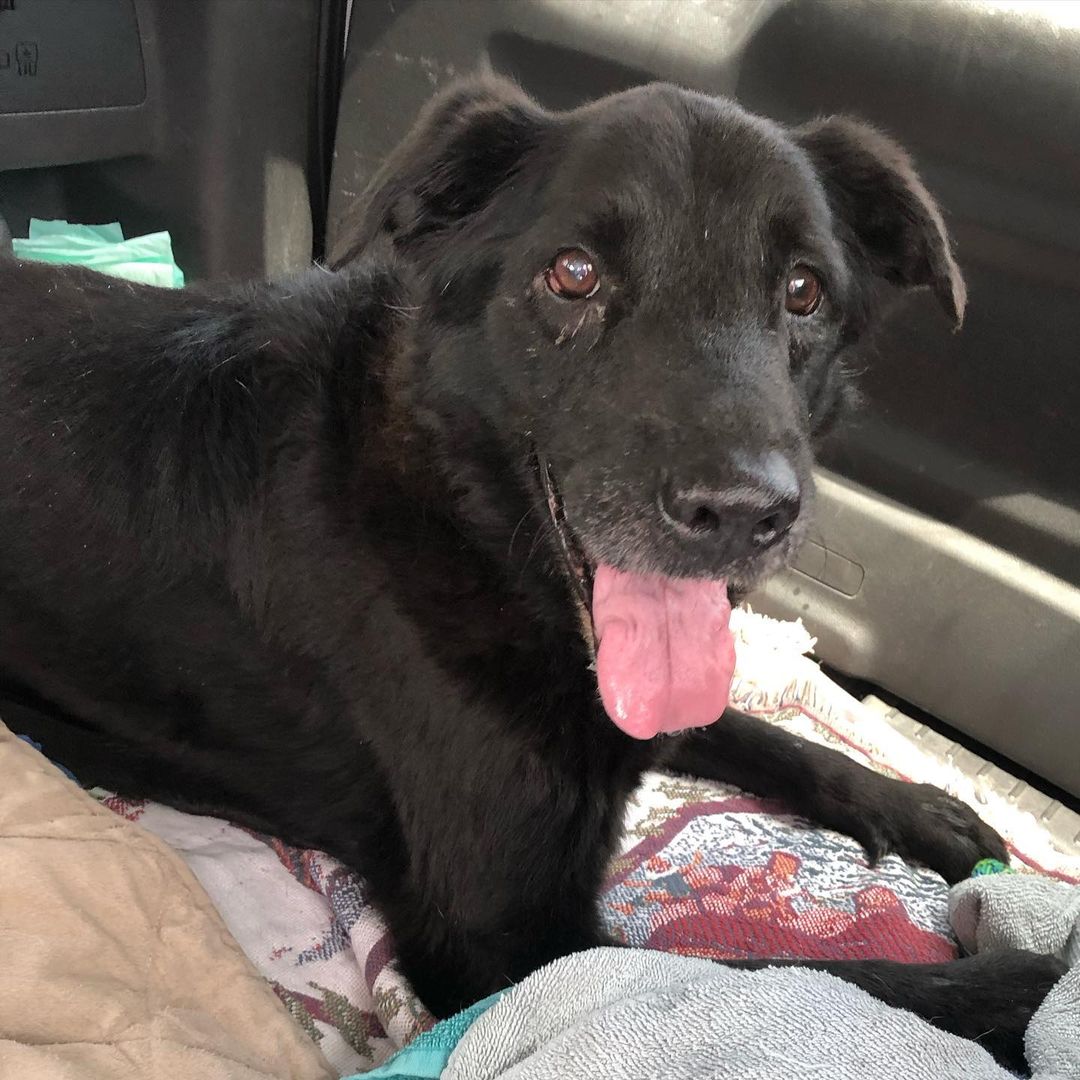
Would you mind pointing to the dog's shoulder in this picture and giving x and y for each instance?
(119, 389)
(62, 310)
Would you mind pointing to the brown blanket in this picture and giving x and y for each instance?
(114, 965)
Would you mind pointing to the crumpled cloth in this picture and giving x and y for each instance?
(626, 1014)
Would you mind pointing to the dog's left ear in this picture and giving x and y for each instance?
(878, 199)
(468, 143)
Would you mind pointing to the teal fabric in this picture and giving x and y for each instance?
(426, 1056)
(147, 259)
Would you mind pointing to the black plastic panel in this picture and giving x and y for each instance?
(73, 83)
(225, 147)
(69, 54)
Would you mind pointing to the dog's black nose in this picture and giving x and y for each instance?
(746, 518)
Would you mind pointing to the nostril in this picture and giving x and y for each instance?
(703, 520)
(690, 511)
(767, 531)
(771, 528)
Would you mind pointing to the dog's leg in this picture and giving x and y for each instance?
(917, 821)
(988, 998)
(501, 868)
(452, 965)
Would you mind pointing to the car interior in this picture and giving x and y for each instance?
(941, 582)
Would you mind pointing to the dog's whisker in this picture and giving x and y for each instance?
(517, 529)
(544, 532)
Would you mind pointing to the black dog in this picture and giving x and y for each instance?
(349, 558)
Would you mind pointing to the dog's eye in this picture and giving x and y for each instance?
(572, 275)
(803, 293)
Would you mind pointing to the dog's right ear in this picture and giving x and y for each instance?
(468, 142)
(889, 217)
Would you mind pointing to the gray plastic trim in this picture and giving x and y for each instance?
(959, 627)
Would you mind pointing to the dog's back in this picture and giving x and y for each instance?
(139, 428)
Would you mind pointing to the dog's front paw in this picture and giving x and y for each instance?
(918, 822)
(929, 826)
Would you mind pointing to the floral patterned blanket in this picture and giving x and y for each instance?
(705, 870)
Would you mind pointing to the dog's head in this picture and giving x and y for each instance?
(645, 304)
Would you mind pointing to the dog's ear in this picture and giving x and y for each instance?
(468, 142)
(881, 204)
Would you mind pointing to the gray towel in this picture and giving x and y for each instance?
(1018, 911)
(1037, 913)
(618, 1014)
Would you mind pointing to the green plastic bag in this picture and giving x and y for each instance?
(147, 259)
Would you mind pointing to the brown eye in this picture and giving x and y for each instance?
(803, 294)
(572, 275)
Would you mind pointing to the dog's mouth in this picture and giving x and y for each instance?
(663, 647)
(578, 567)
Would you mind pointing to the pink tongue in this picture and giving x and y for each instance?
(666, 655)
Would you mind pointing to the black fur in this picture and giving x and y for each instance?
(282, 553)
